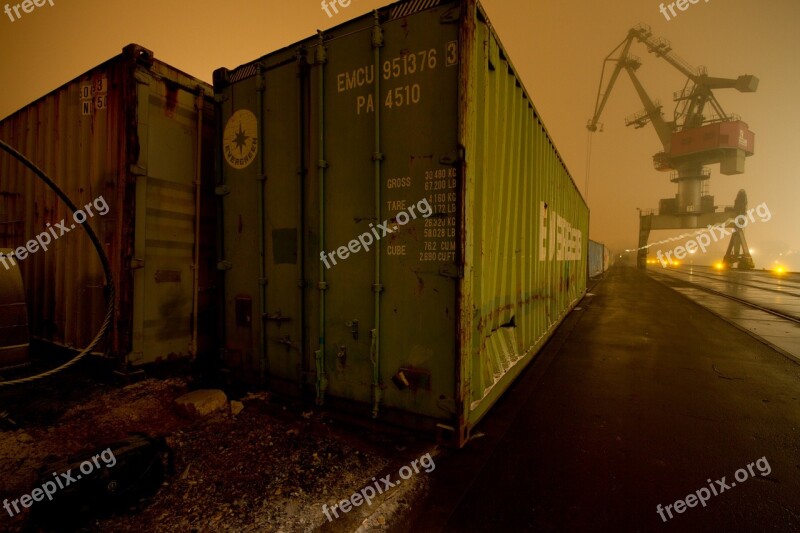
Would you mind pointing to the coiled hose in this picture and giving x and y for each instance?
(103, 259)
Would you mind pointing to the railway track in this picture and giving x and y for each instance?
(684, 274)
(768, 281)
(754, 305)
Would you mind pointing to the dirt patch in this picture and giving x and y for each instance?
(105, 417)
(270, 468)
(252, 473)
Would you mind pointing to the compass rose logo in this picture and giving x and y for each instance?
(239, 140)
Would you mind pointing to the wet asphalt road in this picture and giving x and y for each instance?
(639, 399)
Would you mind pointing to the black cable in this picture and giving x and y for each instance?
(103, 259)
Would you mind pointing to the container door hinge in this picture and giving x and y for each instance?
(451, 159)
(136, 264)
(222, 190)
(353, 325)
(224, 265)
(452, 272)
(286, 341)
(277, 317)
(377, 156)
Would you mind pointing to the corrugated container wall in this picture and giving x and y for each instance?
(127, 138)
(403, 142)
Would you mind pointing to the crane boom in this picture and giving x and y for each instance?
(664, 130)
(691, 102)
(662, 48)
(630, 63)
(602, 97)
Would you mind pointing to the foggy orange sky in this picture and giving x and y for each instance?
(557, 47)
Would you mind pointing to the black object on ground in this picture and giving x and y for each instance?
(139, 467)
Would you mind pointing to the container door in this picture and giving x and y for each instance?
(164, 226)
(392, 181)
(283, 318)
(262, 229)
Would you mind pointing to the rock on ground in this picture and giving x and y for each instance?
(200, 403)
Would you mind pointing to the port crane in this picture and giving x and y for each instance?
(700, 133)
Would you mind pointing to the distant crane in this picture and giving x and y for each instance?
(700, 133)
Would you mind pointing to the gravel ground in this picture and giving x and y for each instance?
(269, 468)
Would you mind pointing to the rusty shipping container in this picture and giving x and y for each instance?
(134, 138)
(400, 235)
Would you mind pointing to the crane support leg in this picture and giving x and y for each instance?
(738, 254)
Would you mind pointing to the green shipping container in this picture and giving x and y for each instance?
(399, 234)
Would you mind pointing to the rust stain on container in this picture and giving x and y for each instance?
(171, 98)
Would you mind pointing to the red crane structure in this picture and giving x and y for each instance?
(700, 133)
